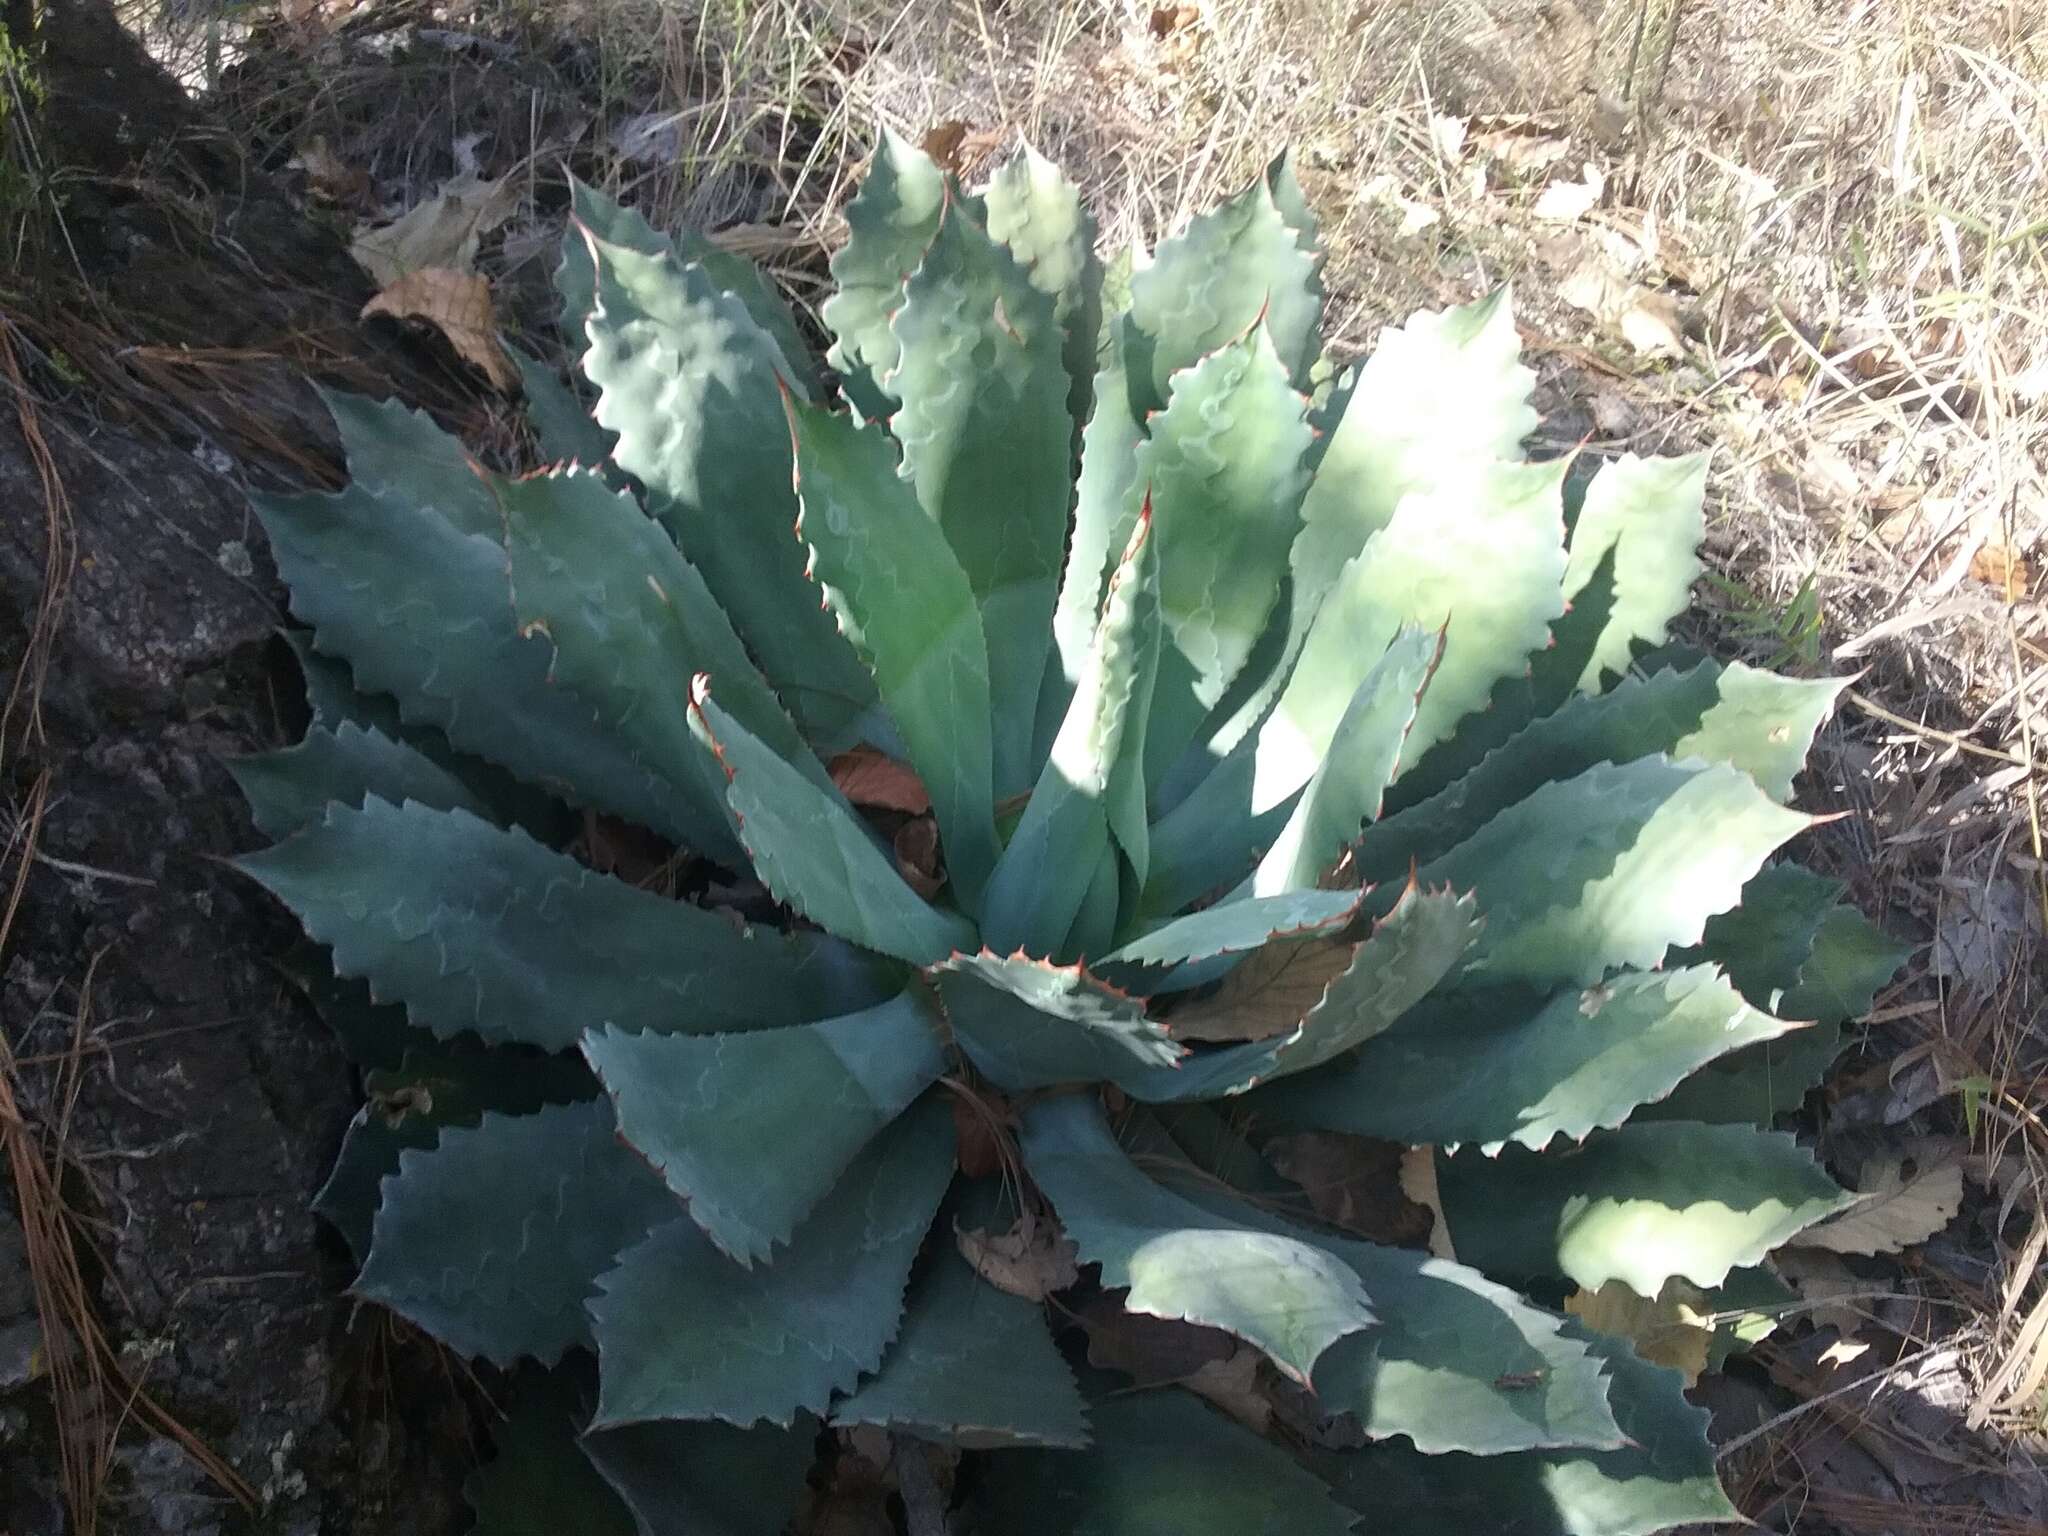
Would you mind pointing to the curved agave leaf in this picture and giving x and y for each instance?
(1232, 927)
(1028, 1024)
(1638, 1204)
(889, 223)
(492, 1240)
(689, 383)
(684, 1333)
(986, 443)
(1651, 513)
(1663, 1478)
(1760, 722)
(1479, 554)
(813, 853)
(1037, 214)
(1162, 1462)
(972, 1367)
(1610, 868)
(477, 928)
(701, 1108)
(403, 575)
(704, 1478)
(1107, 502)
(1285, 1295)
(292, 788)
(1492, 1067)
(909, 608)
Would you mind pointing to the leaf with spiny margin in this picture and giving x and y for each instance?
(630, 621)
(1038, 215)
(753, 1129)
(888, 225)
(1639, 1204)
(1028, 1024)
(972, 1367)
(907, 606)
(402, 574)
(1091, 785)
(690, 384)
(1106, 510)
(473, 927)
(1441, 391)
(1284, 1295)
(1758, 721)
(1663, 1478)
(1163, 1464)
(332, 698)
(705, 1479)
(492, 1241)
(410, 1103)
(1613, 867)
(538, 1482)
(1478, 554)
(1231, 927)
(1497, 1066)
(685, 1333)
(1651, 513)
(1222, 473)
(1212, 838)
(371, 1034)
(815, 855)
(576, 277)
(1238, 266)
(562, 426)
(1448, 1360)
(1348, 788)
(987, 445)
(289, 789)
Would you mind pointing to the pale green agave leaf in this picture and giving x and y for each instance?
(1651, 513)
(814, 854)
(1759, 722)
(910, 611)
(752, 1130)
(1106, 511)
(403, 575)
(972, 1367)
(691, 386)
(1638, 1204)
(1164, 1464)
(292, 788)
(1285, 1295)
(703, 1478)
(1036, 213)
(1491, 1067)
(1662, 1479)
(474, 927)
(493, 1240)
(889, 223)
(1479, 555)
(1612, 867)
(684, 1333)
(986, 444)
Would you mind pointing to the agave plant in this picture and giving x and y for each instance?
(1300, 759)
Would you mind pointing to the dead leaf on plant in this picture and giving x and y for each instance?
(1667, 1330)
(444, 231)
(1033, 1259)
(458, 305)
(1353, 1182)
(1269, 993)
(917, 856)
(1898, 1209)
(876, 781)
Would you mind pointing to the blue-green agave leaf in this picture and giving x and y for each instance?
(682, 1478)
(910, 610)
(477, 928)
(752, 1130)
(563, 429)
(1106, 509)
(1638, 1204)
(1285, 1295)
(685, 1333)
(813, 853)
(492, 1240)
(539, 1482)
(1651, 513)
(889, 223)
(291, 788)
(1028, 1024)
(1232, 927)
(972, 1367)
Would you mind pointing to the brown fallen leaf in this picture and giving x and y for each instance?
(458, 305)
(443, 231)
(978, 1129)
(1353, 1182)
(1565, 202)
(1898, 1209)
(944, 141)
(1650, 323)
(917, 856)
(1033, 1259)
(2004, 569)
(331, 177)
(1666, 1330)
(1418, 1183)
(875, 781)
